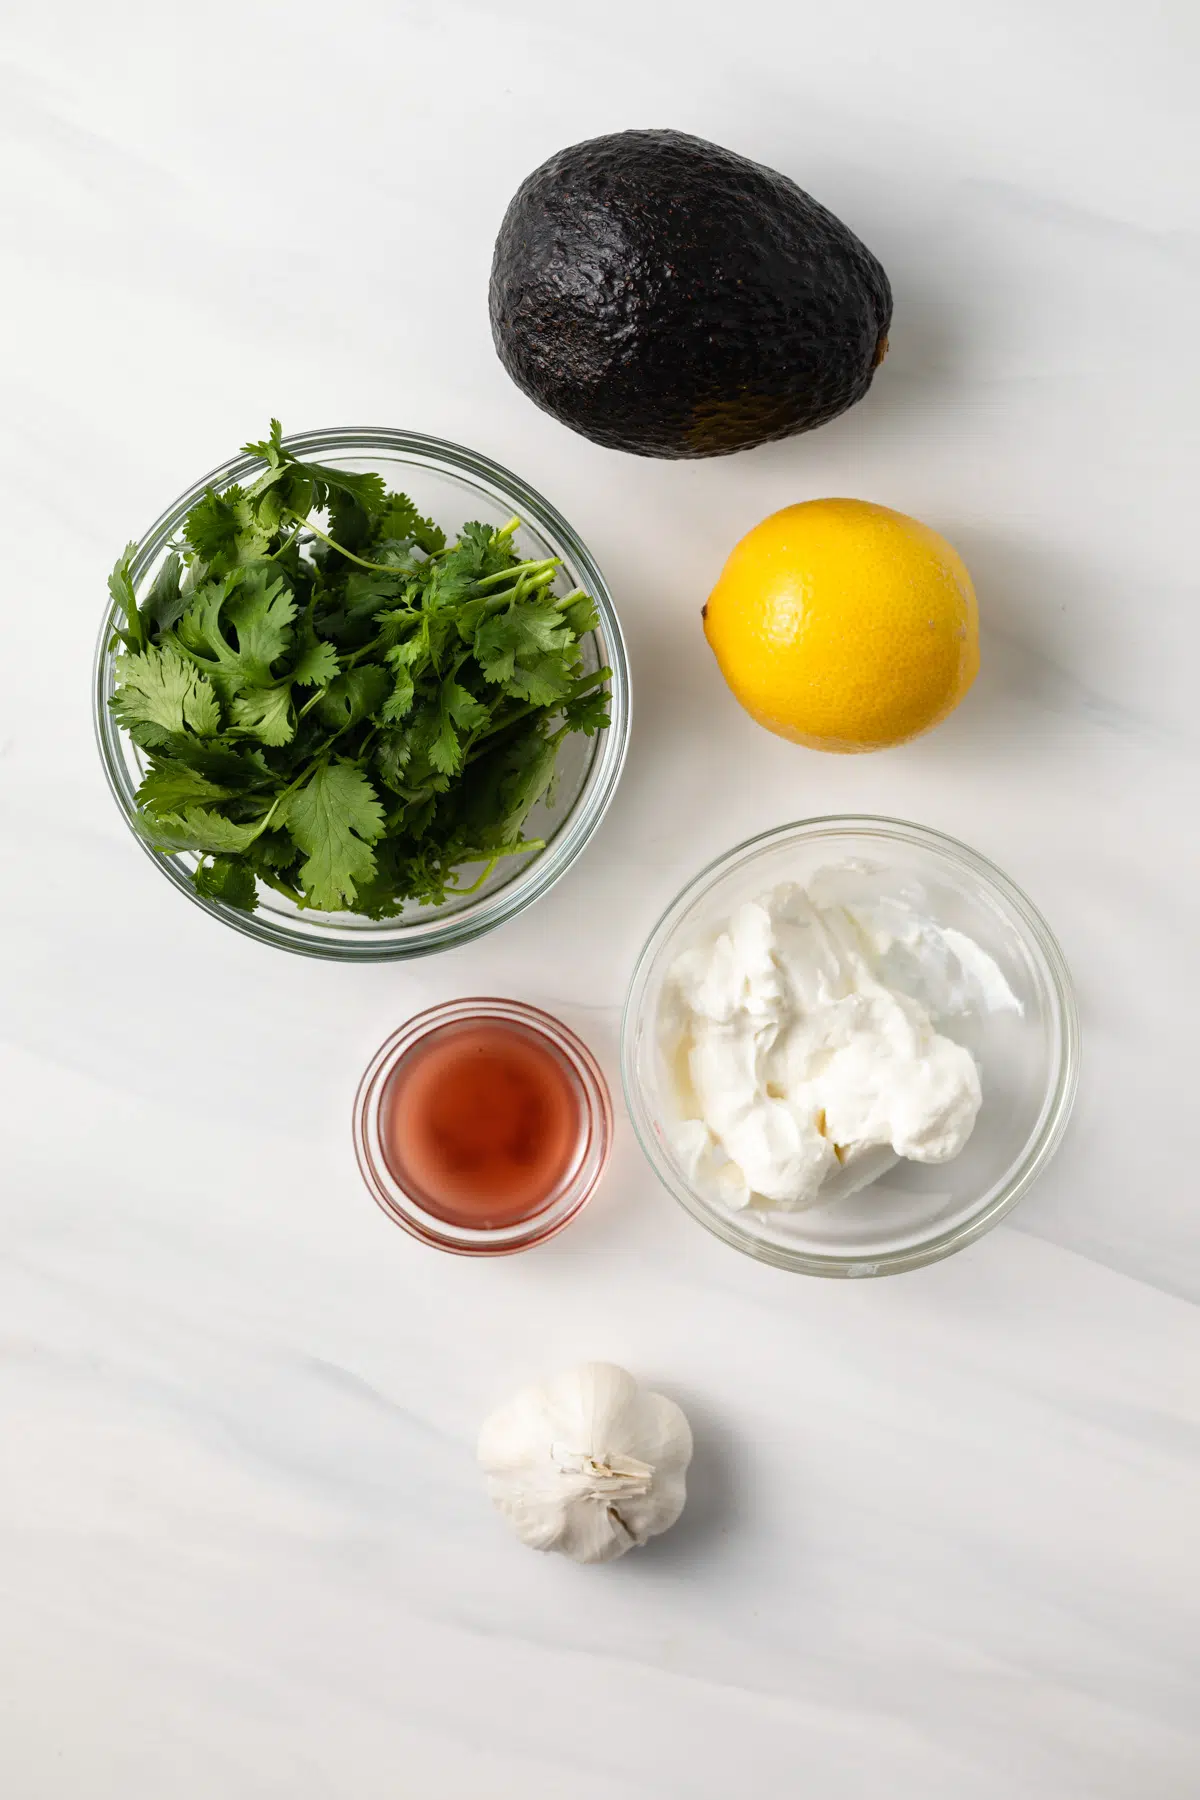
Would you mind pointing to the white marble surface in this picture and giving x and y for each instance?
(943, 1539)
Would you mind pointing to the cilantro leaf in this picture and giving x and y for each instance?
(334, 819)
(353, 696)
(316, 665)
(399, 703)
(540, 626)
(353, 510)
(283, 496)
(228, 880)
(270, 448)
(199, 828)
(274, 850)
(261, 612)
(449, 584)
(393, 753)
(580, 616)
(483, 550)
(465, 710)
(400, 521)
(165, 604)
(367, 489)
(239, 769)
(441, 744)
(508, 784)
(527, 634)
(292, 485)
(360, 599)
(266, 713)
(159, 689)
(223, 531)
(170, 785)
(525, 783)
(587, 713)
(120, 587)
(541, 680)
(423, 650)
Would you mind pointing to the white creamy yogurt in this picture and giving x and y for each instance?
(801, 1045)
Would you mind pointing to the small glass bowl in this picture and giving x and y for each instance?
(576, 1186)
(452, 485)
(915, 1213)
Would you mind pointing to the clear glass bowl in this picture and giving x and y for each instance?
(452, 485)
(914, 1213)
(579, 1180)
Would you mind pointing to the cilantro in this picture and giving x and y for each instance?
(526, 635)
(316, 665)
(120, 587)
(401, 520)
(356, 695)
(588, 713)
(335, 818)
(266, 713)
(170, 785)
(156, 688)
(222, 529)
(164, 605)
(199, 828)
(261, 613)
(334, 701)
(227, 879)
(252, 602)
(269, 449)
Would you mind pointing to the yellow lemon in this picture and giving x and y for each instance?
(845, 626)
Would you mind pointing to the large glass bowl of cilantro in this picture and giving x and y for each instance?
(361, 694)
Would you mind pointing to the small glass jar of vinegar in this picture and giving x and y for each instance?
(483, 1126)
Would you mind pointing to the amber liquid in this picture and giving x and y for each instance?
(482, 1124)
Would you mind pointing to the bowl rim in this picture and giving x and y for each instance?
(1056, 1114)
(391, 941)
(404, 1209)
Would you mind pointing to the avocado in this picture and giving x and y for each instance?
(667, 297)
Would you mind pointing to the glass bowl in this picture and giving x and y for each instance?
(452, 485)
(577, 1182)
(913, 1213)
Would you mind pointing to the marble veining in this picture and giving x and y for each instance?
(942, 1540)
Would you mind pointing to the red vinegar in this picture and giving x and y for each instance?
(482, 1123)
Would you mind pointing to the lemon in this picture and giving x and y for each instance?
(845, 626)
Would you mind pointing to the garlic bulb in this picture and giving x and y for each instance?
(589, 1464)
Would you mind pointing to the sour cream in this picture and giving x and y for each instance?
(800, 1042)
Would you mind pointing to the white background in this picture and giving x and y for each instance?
(943, 1536)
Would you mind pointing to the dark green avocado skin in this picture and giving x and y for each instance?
(667, 297)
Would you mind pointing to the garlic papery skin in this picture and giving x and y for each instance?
(588, 1464)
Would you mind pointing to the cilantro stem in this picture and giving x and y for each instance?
(581, 687)
(377, 568)
(523, 588)
(278, 802)
(520, 849)
(274, 555)
(309, 704)
(281, 887)
(525, 568)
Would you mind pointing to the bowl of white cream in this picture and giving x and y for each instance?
(850, 1046)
